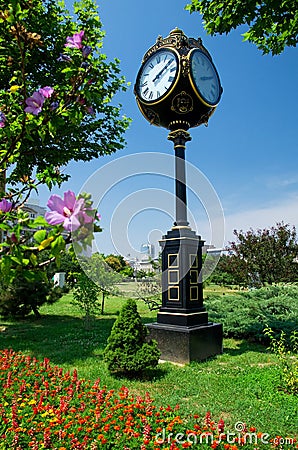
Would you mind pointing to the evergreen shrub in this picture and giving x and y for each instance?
(128, 350)
(245, 315)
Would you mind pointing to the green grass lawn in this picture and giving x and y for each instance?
(239, 385)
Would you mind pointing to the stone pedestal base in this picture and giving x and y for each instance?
(182, 344)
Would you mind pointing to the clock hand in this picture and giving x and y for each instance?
(162, 71)
(206, 78)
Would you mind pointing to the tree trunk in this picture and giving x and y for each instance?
(36, 312)
(103, 302)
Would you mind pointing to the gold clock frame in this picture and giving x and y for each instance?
(177, 77)
(193, 85)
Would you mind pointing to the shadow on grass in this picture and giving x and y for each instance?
(62, 339)
(148, 375)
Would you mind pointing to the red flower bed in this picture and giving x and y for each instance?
(43, 408)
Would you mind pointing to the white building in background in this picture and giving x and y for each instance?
(145, 262)
(140, 264)
(148, 249)
(34, 210)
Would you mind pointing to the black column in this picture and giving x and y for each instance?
(180, 137)
(182, 330)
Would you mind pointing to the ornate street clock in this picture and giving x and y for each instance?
(177, 85)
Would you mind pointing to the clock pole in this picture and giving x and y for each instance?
(179, 138)
(170, 93)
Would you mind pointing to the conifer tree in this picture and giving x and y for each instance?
(127, 350)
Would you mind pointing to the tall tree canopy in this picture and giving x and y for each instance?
(56, 88)
(272, 24)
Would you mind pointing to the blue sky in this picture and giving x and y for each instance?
(248, 153)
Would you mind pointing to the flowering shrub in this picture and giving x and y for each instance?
(43, 407)
(24, 284)
(56, 92)
(56, 95)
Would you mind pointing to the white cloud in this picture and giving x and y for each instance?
(279, 181)
(285, 211)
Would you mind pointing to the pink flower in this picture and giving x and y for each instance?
(86, 51)
(75, 41)
(90, 110)
(2, 119)
(5, 205)
(46, 91)
(80, 100)
(63, 57)
(34, 103)
(14, 238)
(69, 211)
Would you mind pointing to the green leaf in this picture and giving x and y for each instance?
(16, 260)
(5, 265)
(58, 261)
(4, 226)
(40, 236)
(38, 222)
(33, 259)
(52, 129)
(58, 245)
(29, 275)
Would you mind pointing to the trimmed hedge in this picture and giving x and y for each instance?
(245, 315)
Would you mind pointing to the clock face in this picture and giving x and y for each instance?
(157, 76)
(205, 78)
